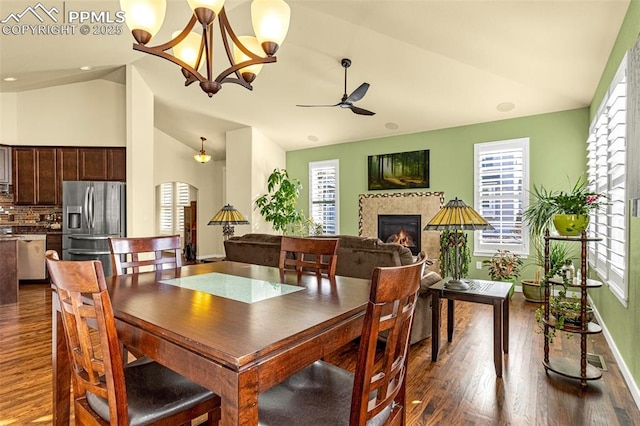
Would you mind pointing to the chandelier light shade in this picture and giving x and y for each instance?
(202, 157)
(227, 217)
(457, 216)
(193, 51)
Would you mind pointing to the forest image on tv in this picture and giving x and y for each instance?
(399, 171)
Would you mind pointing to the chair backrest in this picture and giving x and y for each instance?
(310, 254)
(95, 357)
(130, 254)
(381, 385)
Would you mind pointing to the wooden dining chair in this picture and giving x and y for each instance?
(309, 254)
(323, 394)
(104, 390)
(130, 254)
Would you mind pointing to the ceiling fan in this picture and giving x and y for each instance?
(347, 101)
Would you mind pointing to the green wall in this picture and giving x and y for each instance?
(623, 322)
(556, 148)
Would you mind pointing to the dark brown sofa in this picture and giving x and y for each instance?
(357, 257)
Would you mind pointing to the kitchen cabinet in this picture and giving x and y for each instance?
(5, 164)
(35, 176)
(38, 172)
(54, 242)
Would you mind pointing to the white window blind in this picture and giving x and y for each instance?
(323, 195)
(501, 176)
(174, 196)
(606, 164)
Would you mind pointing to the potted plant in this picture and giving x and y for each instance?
(569, 211)
(558, 255)
(504, 266)
(278, 206)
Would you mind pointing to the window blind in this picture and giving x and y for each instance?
(501, 174)
(323, 195)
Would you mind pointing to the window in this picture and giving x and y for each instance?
(173, 196)
(501, 176)
(606, 164)
(323, 195)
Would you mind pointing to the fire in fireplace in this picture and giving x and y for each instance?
(402, 229)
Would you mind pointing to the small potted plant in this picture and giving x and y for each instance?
(504, 266)
(558, 255)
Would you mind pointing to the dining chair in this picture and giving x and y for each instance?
(105, 391)
(309, 254)
(324, 394)
(130, 254)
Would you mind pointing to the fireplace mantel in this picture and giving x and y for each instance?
(426, 204)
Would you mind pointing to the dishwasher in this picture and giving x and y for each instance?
(31, 249)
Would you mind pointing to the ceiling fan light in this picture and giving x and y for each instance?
(188, 49)
(270, 19)
(144, 16)
(251, 43)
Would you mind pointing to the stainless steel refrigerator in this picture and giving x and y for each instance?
(91, 213)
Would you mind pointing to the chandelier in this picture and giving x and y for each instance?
(193, 52)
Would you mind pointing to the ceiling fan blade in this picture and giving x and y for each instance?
(358, 94)
(315, 106)
(361, 111)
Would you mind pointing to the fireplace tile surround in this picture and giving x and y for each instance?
(425, 204)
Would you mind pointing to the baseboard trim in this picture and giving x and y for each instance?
(626, 373)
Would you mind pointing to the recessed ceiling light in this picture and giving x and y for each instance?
(505, 106)
(86, 68)
(391, 126)
(10, 79)
(313, 138)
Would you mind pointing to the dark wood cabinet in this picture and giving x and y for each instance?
(54, 242)
(117, 164)
(35, 178)
(38, 172)
(93, 163)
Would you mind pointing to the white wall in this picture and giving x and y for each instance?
(173, 162)
(88, 114)
(251, 158)
(140, 158)
(9, 118)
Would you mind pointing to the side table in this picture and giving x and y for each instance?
(480, 291)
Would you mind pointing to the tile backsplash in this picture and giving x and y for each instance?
(12, 215)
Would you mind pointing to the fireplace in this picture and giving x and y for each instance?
(403, 229)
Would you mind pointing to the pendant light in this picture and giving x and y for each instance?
(202, 157)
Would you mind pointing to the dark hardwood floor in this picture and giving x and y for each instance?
(461, 388)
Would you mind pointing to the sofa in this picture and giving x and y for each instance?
(357, 257)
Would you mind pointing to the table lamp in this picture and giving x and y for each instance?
(227, 217)
(457, 216)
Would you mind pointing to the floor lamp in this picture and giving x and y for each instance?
(457, 216)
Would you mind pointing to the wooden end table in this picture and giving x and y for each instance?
(481, 291)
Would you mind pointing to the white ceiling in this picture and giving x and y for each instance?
(431, 64)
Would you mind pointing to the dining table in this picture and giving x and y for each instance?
(235, 328)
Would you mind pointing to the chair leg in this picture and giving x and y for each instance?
(213, 418)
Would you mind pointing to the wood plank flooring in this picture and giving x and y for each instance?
(461, 388)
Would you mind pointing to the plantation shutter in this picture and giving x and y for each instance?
(607, 170)
(323, 195)
(501, 177)
(166, 208)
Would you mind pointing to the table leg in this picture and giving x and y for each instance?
(435, 325)
(497, 336)
(450, 319)
(505, 326)
(61, 368)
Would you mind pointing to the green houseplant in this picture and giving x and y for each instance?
(504, 265)
(533, 289)
(278, 205)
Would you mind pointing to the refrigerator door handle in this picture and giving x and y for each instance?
(92, 207)
(86, 207)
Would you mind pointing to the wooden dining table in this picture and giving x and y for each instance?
(233, 345)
